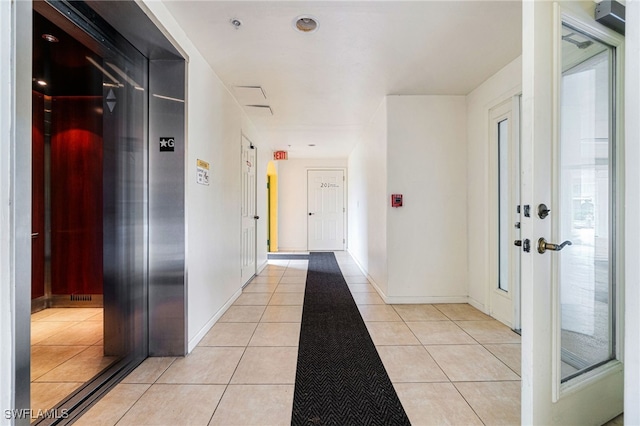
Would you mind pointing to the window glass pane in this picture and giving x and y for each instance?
(504, 208)
(585, 204)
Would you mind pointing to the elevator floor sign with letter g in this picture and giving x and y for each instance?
(167, 144)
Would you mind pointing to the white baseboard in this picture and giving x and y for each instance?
(420, 300)
(292, 249)
(479, 306)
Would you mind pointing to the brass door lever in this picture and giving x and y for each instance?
(543, 245)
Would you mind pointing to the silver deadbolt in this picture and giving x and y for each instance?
(543, 211)
(525, 244)
(543, 245)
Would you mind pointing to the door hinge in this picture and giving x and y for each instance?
(344, 209)
(267, 185)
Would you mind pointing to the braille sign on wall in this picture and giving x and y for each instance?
(167, 144)
(202, 172)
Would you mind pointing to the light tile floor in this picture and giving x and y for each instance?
(450, 364)
(66, 351)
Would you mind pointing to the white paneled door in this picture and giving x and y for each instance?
(571, 197)
(325, 209)
(248, 209)
(505, 139)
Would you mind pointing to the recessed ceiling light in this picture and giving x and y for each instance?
(42, 82)
(235, 22)
(306, 24)
(50, 38)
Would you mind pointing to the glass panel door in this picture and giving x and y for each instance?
(586, 202)
(505, 222)
(571, 80)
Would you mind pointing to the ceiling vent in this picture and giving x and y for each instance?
(250, 95)
(259, 110)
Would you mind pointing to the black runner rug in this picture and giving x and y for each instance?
(340, 378)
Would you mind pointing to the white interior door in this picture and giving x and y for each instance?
(505, 154)
(571, 139)
(248, 210)
(326, 212)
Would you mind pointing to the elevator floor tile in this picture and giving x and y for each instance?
(66, 351)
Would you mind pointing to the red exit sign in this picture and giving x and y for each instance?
(280, 155)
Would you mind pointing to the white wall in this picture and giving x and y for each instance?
(426, 162)
(498, 88)
(416, 146)
(292, 199)
(215, 125)
(434, 150)
(368, 199)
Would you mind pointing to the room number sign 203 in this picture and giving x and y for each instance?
(328, 185)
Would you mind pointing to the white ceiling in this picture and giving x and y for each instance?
(324, 87)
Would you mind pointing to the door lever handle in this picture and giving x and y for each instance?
(543, 245)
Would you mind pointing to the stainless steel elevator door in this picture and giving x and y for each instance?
(125, 205)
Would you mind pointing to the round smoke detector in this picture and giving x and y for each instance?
(306, 24)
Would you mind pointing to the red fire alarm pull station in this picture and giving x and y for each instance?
(396, 200)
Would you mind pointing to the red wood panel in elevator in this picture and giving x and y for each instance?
(76, 195)
(37, 196)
